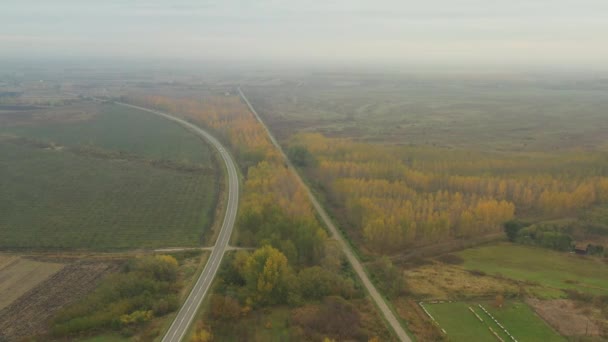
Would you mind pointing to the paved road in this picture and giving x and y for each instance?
(350, 255)
(186, 314)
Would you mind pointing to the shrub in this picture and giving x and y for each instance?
(145, 288)
(450, 259)
(316, 283)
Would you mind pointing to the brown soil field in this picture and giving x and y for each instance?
(19, 275)
(566, 317)
(30, 313)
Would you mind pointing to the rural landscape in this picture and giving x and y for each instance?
(462, 240)
(279, 172)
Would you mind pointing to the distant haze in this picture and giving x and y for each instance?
(553, 33)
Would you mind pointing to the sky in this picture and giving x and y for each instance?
(562, 33)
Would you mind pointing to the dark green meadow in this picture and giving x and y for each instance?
(123, 129)
(122, 179)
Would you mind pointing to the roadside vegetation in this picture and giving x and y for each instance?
(295, 268)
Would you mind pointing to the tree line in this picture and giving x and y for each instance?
(398, 196)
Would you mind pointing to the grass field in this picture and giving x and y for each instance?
(59, 198)
(461, 324)
(550, 269)
(504, 112)
(18, 275)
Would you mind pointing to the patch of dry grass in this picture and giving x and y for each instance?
(440, 281)
(568, 317)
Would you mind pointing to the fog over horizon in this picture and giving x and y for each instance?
(530, 33)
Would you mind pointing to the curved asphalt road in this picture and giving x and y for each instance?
(350, 255)
(186, 314)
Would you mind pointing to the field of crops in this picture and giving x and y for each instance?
(119, 129)
(464, 321)
(60, 198)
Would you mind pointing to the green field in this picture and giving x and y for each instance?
(461, 324)
(550, 269)
(124, 129)
(63, 198)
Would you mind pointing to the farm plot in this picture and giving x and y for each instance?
(115, 128)
(18, 275)
(55, 199)
(553, 271)
(470, 321)
(32, 312)
(103, 177)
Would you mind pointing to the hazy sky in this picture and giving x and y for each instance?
(493, 32)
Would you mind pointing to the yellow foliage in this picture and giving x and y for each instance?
(268, 182)
(400, 195)
(137, 317)
(168, 259)
(202, 335)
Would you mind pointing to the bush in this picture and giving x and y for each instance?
(316, 283)
(335, 318)
(548, 236)
(144, 289)
(225, 308)
(389, 278)
(300, 156)
(512, 229)
(450, 259)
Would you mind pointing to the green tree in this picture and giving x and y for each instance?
(316, 283)
(300, 156)
(512, 228)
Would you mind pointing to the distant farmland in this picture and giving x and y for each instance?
(114, 180)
